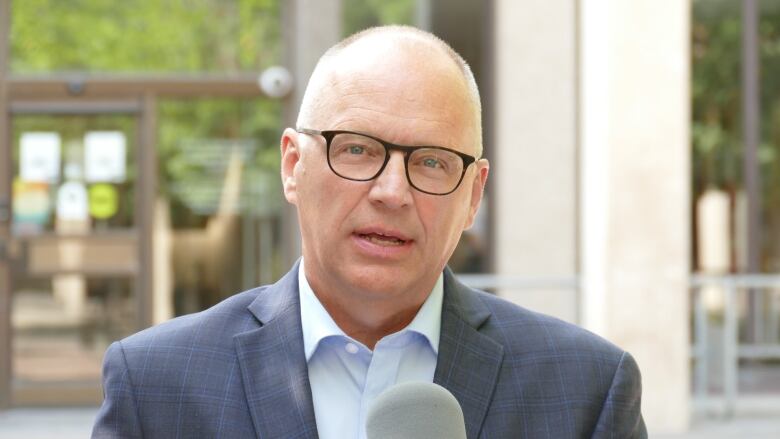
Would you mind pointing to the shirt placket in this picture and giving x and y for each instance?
(382, 373)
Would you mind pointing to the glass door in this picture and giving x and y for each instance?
(74, 248)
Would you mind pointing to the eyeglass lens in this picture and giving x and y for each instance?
(357, 157)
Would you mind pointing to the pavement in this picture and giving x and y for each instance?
(738, 428)
(47, 423)
(76, 423)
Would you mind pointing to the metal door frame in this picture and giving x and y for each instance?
(5, 212)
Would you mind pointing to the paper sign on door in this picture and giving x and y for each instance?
(104, 157)
(39, 157)
(72, 203)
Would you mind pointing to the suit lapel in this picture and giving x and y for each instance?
(468, 362)
(273, 364)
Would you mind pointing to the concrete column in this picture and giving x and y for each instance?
(535, 158)
(311, 28)
(316, 27)
(714, 244)
(163, 276)
(635, 190)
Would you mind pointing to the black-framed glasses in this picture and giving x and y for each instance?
(355, 156)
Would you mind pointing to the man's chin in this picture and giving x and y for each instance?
(383, 280)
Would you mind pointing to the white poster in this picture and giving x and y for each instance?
(104, 157)
(72, 202)
(39, 157)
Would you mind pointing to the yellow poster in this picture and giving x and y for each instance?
(103, 201)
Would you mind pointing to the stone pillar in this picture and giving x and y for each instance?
(163, 275)
(635, 192)
(591, 175)
(533, 175)
(310, 28)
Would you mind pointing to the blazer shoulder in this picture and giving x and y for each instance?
(210, 326)
(516, 327)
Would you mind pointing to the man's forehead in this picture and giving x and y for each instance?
(415, 99)
(409, 68)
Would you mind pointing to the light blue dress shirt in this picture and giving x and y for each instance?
(346, 376)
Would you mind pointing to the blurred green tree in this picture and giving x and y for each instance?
(144, 36)
(360, 14)
(717, 108)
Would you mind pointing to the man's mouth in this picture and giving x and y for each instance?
(380, 239)
(382, 236)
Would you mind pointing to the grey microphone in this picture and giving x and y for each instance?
(415, 410)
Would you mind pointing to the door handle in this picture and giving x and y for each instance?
(5, 210)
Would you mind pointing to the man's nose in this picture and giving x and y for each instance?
(392, 188)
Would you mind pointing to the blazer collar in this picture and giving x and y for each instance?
(273, 365)
(468, 361)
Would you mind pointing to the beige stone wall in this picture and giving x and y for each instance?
(591, 174)
(534, 160)
(311, 28)
(638, 182)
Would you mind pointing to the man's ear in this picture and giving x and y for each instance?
(477, 190)
(291, 155)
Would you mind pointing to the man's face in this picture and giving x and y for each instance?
(382, 239)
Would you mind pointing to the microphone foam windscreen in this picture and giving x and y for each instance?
(415, 410)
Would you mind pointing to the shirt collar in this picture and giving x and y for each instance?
(317, 324)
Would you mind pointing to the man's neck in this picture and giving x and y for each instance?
(373, 323)
(368, 317)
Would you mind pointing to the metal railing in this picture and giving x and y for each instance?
(498, 281)
(730, 286)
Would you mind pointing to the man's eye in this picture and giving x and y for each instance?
(356, 149)
(431, 163)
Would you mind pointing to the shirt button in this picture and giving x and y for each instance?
(351, 348)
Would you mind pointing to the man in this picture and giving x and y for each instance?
(384, 169)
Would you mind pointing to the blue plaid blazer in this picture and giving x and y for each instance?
(238, 370)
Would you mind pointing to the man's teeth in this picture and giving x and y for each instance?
(383, 240)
